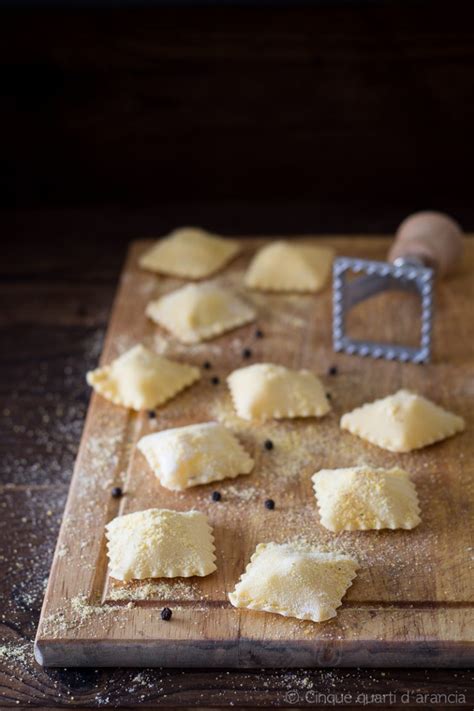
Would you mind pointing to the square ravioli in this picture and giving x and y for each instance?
(402, 422)
(140, 379)
(364, 498)
(294, 580)
(264, 390)
(159, 543)
(289, 266)
(196, 454)
(197, 312)
(189, 253)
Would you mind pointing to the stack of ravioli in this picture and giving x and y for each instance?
(292, 579)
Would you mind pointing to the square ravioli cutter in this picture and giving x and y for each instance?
(426, 244)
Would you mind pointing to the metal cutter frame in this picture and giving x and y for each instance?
(404, 274)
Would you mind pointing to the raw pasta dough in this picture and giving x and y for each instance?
(197, 454)
(197, 312)
(141, 379)
(189, 252)
(402, 422)
(287, 266)
(295, 581)
(264, 390)
(159, 543)
(363, 498)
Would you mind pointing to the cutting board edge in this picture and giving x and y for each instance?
(249, 654)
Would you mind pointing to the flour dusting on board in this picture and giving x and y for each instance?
(156, 590)
(294, 331)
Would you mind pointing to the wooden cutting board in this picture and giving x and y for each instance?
(411, 603)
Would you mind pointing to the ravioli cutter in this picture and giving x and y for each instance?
(426, 244)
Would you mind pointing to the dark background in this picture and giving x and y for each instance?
(321, 117)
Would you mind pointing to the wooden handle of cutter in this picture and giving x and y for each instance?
(432, 237)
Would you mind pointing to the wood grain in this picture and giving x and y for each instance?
(411, 603)
(77, 280)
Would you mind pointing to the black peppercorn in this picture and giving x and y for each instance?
(269, 504)
(206, 365)
(246, 353)
(258, 333)
(151, 414)
(216, 496)
(332, 370)
(166, 614)
(117, 492)
(268, 444)
(215, 380)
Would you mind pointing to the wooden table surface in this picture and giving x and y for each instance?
(92, 104)
(56, 294)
